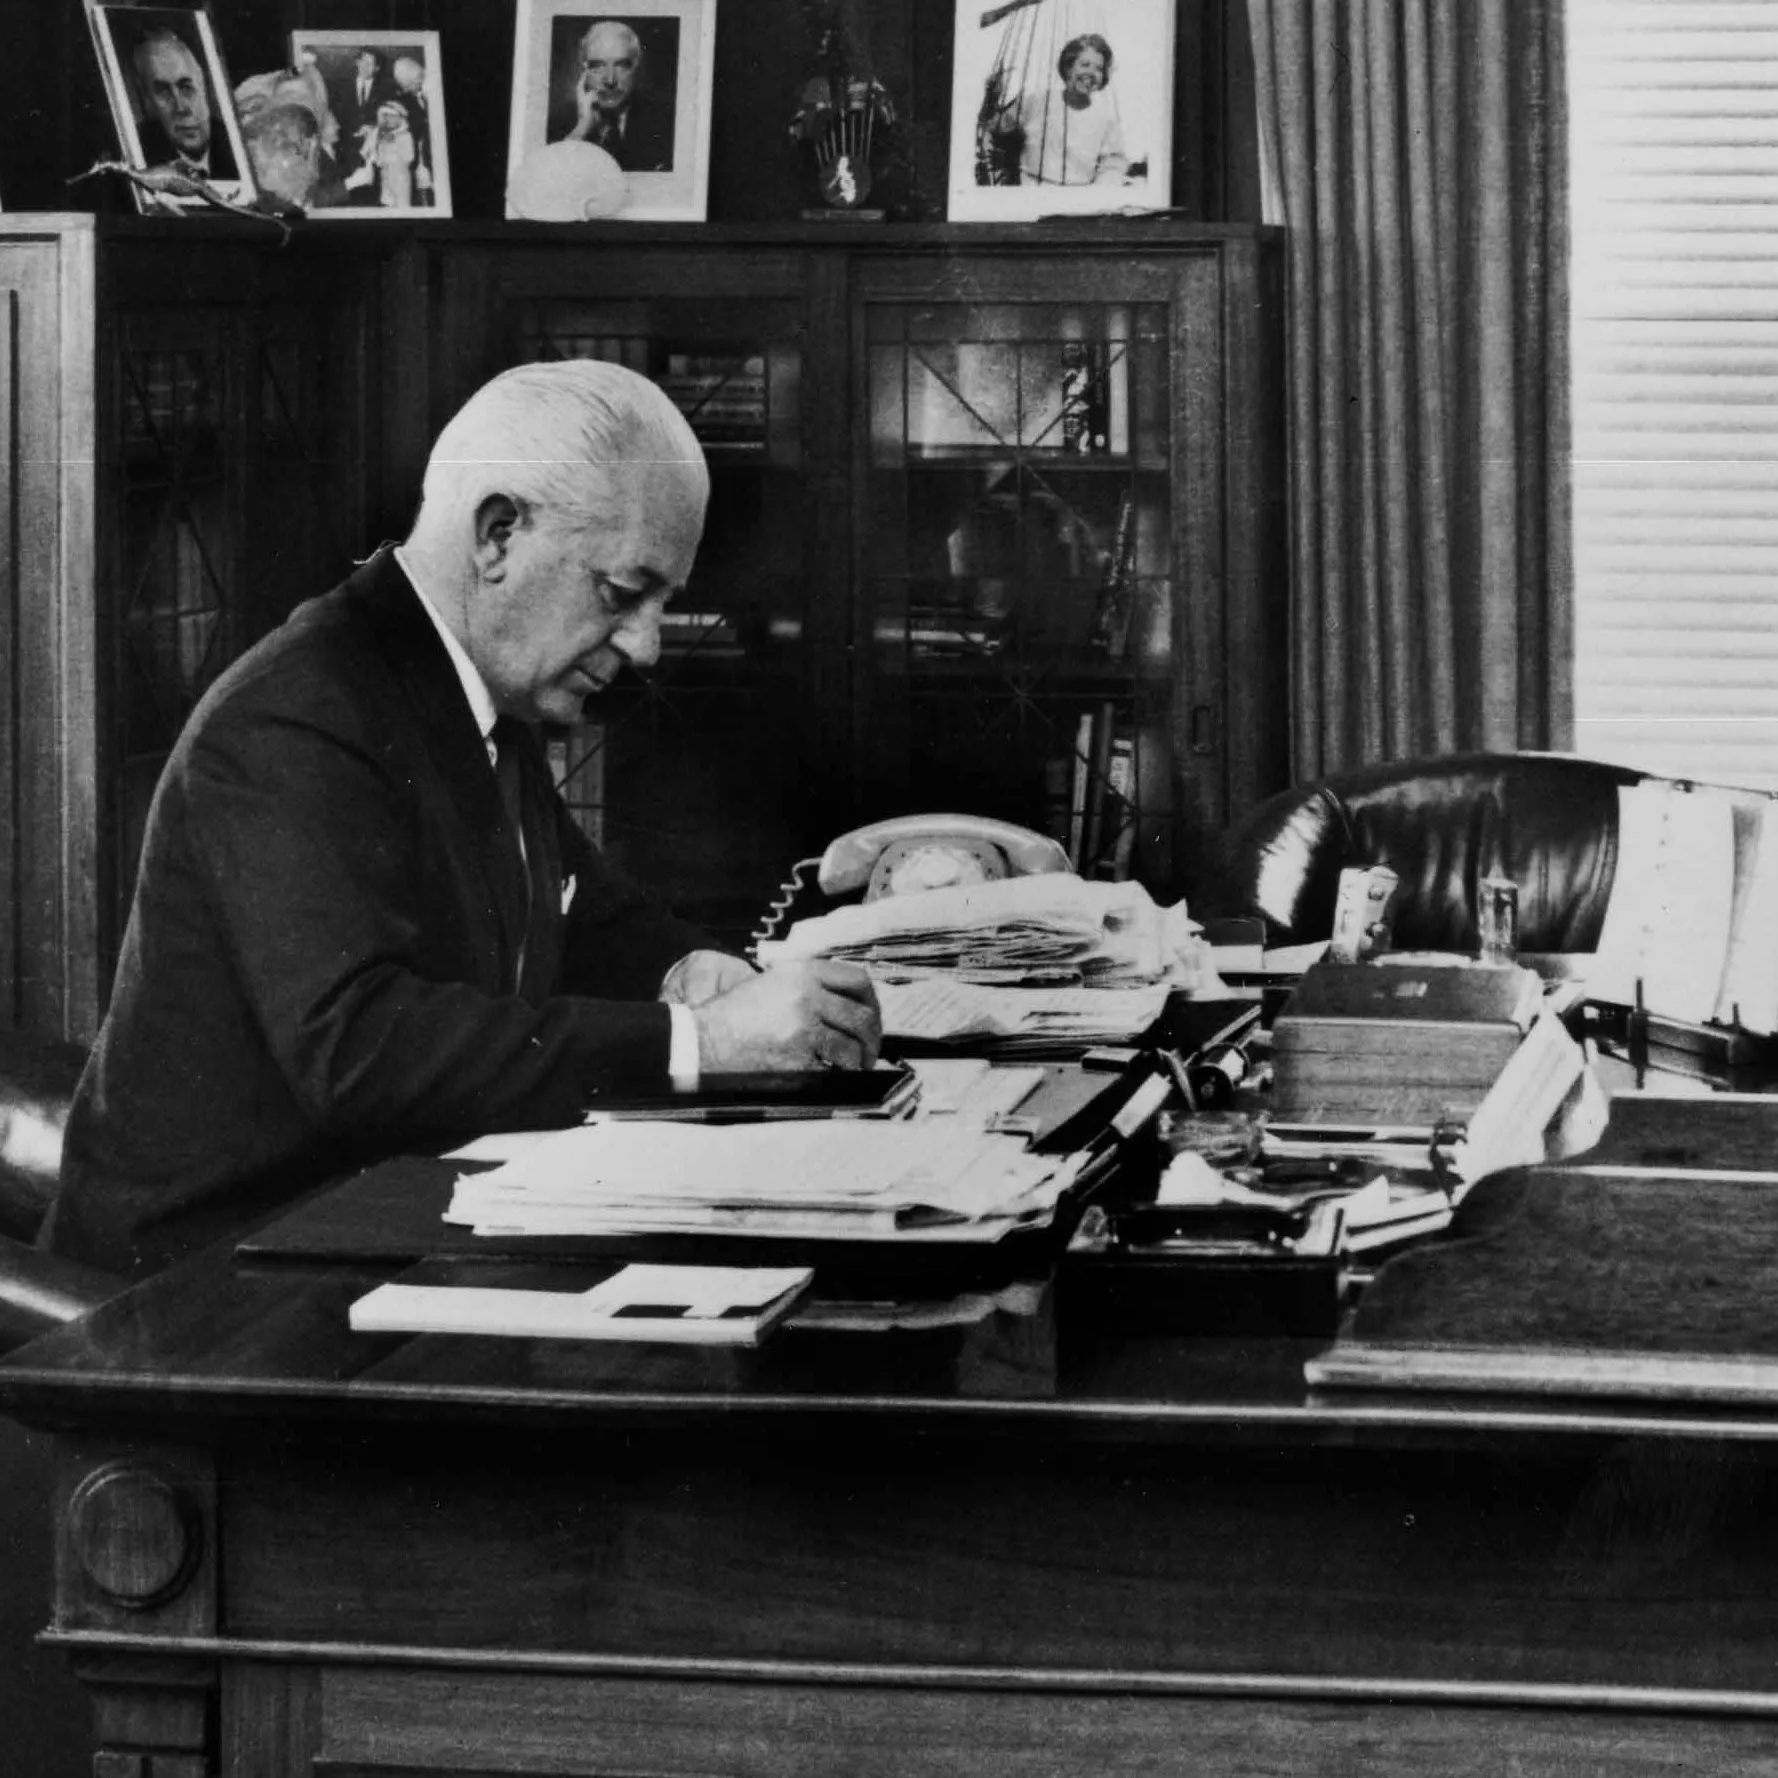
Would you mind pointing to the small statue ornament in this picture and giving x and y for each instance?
(839, 110)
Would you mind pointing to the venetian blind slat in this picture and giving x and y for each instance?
(1674, 290)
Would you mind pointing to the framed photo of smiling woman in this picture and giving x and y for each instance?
(1061, 107)
(170, 98)
(633, 81)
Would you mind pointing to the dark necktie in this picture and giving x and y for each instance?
(508, 737)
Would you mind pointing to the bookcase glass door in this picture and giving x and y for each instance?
(1019, 571)
(177, 623)
(236, 459)
(693, 778)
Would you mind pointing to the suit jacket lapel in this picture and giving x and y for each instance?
(444, 719)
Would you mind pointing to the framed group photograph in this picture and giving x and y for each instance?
(634, 81)
(383, 142)
(1060, 107)
(170, 97)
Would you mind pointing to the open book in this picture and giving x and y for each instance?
(1692, 926)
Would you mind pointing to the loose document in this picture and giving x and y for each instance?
(941, 1178)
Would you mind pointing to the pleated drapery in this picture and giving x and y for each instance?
(1416, 151)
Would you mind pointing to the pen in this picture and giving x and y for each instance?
(714, 1114)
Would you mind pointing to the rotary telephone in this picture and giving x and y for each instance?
(913, 852)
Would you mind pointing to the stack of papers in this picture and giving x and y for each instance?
(1053, 928)
(941, 1009)
(942, 1178)
(1030, 963)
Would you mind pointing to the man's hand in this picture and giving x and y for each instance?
(586, 109)
(702, 975)
(806, 1015)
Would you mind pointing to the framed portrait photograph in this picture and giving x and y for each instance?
(383, 146)
(170, 97)
(634, 81)
(1060, 107)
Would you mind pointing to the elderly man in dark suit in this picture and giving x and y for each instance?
(364, 921)
(615, 108)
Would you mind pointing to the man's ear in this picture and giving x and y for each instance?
(496, 518)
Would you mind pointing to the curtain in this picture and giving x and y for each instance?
(1415, 149)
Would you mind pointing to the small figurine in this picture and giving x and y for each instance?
(839, 109)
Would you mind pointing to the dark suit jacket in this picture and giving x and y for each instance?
(158, 149)
(646, 145)
(320, 963)
(419, 120)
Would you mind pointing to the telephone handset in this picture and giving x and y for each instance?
(913, 852)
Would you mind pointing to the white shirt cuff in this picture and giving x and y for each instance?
(682, 1050)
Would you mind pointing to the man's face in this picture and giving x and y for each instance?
(367, 64)
(570, 606)
(173, 85)
(609, 61)
(1087, 75)
(409, 75)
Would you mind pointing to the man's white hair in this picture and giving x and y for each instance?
(599, 25)
(547, 435)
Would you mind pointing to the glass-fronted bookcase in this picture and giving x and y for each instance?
(208, 410)
(996, 526)
(1017, 563)
(1069, 552)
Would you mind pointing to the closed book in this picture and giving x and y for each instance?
(1411, 1042)
(1359, 1049)
(1399, 1104)
(1418, 992)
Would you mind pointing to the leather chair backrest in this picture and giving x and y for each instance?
(1548, 821)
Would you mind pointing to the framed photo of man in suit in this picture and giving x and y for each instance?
(1060, 107)
(170, 99)
(633, 81)
(384, 151)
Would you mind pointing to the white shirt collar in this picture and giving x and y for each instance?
(475, 688)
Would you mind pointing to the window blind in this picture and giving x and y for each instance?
(1674, 291)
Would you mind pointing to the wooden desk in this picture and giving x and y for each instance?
(1018, 1547)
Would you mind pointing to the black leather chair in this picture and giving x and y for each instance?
(1548, 821)
(43, 1713)
(37, 1290)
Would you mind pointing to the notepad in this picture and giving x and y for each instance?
(682, 1305)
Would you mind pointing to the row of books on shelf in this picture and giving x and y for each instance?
(722, 394)
(1092, 794)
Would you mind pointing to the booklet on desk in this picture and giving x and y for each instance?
(678, 1305)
